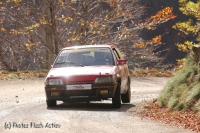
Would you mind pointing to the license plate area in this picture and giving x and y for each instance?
(103, 91)
(79, 87)
(55, 94)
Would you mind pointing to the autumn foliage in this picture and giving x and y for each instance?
(189, 28)
(33, 32)
(178, 103)
(185, 119)
(182, 92)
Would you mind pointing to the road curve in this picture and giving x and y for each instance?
(23, 109)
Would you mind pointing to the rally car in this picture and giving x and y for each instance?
(88, 73)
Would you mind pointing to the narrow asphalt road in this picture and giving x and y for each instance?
(23, 109)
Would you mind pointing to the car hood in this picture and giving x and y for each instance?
(87, 70)
(81, 75)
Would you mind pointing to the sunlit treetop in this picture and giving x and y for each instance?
(160, 17)
(190, 8)
(189, 28)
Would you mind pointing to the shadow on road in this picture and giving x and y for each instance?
(91, 107)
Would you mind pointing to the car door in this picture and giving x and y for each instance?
(125, 66)
(122, 69)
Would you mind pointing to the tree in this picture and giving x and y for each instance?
(183, 90)
(41, 28)
(189, 28)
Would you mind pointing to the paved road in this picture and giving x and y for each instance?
(23, 109)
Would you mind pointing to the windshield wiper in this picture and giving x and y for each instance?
(69, 62)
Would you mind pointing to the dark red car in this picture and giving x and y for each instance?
(88, 73)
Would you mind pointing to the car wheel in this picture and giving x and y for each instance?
(51, 103)
(126, 98)
(116, 100)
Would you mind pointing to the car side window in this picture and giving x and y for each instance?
(116, 54)
(119, 53)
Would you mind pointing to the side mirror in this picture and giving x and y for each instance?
(121, 62)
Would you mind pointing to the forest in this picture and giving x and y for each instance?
(33, 32)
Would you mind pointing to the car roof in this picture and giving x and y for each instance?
(90, 46)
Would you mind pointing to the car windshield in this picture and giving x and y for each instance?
(84, 57)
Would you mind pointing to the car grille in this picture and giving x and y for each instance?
(81, 93)
(81, 82)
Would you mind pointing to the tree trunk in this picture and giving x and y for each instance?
(196, 51)
(6, 65)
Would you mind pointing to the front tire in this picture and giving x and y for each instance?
(126, 98)
(51, 103)
(116, 100)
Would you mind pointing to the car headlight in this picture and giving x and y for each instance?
(54, 82)
(105, 79)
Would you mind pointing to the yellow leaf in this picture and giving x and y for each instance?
(3, 29)
(27, 12)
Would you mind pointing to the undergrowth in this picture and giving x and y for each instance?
(182, 92)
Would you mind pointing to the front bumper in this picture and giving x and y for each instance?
(96, 93)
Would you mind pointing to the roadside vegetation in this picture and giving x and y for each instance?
(179, 102)
(183, 90)
(28, 74)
